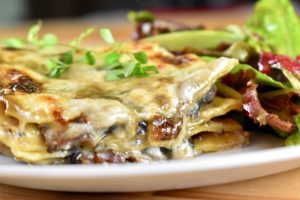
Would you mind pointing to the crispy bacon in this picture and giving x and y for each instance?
(254, 109)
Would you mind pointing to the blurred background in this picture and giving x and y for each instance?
(17, 11)
(69, 17)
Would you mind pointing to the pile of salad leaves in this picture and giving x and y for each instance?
(275, 28)
(268, 45)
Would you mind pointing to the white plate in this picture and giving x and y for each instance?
(263, 157)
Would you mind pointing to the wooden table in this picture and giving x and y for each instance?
(284, 186)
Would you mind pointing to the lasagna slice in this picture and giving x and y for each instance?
(83, 118)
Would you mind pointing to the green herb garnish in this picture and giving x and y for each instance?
(48, 40)
(141, 57)
(67, 58)
(56, 67)
(90, 57)
(32, 36)
(135, 63)
(118, 69)
(107, 36)
(15, 43)
(112, 58)
(77, 41)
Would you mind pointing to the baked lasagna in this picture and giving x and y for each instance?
(174, 93)
(81, 117)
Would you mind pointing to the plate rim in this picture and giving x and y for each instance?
(244, 159)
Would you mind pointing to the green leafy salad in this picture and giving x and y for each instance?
(268, 49)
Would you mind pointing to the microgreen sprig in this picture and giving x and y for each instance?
(90, 57)
(14, 43)
(58, 66)
(77, 41)
(48, 40)
(107, 36)
(118, 69)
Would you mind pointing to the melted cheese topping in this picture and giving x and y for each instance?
(45, 120)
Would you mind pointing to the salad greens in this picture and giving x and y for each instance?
(275, 27)
(292, 79)
(259, 77)
(206, 39)
(268, 45)
(294, 139)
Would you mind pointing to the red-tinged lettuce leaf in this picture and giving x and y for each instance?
(255, 110)
(285, 104)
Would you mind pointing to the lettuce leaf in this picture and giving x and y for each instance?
(294, 139)
(275, 27)
(195, 39)
(292, 79)
(260, 77)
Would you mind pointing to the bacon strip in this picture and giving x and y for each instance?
(253, 107)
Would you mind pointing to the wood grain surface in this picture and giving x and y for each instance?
(284, 186)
